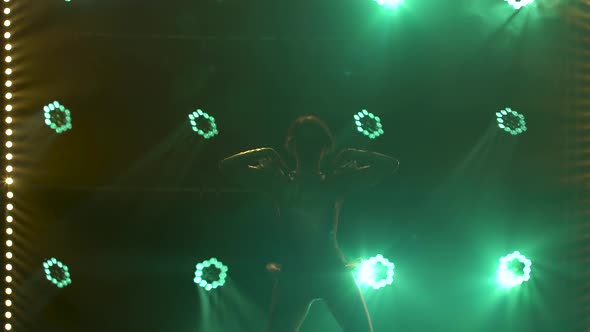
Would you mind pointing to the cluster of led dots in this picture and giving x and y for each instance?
(203, 124)
(389, 3)
(8, 155)
(511, 121)
(57, 117)
(368, 124)
(517, 4)
(375, 272)
(514, 269)
(57, 272)
(210, 274)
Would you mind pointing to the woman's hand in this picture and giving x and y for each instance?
(264, 162)
(351, 265)
(273, 267)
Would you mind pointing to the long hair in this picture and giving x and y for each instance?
(309, 131)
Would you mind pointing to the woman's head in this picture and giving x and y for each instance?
(308, 137)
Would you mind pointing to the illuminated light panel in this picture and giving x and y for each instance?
(203, 124)
(57, 117)
(511, 121)
(57, 272)
(514, 269)
(210, 274)
(389, 3)
(376, 272)
(368, 124)
(517, 4)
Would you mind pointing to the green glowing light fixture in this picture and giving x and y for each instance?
(203, 124)
(210, 274)
(389, 3)
(368, 124)
(517, 4)
(511, 121)
(57, 272)
(375, 272)
(514, 269)
(57, 117)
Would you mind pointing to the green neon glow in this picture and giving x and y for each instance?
(368, 124)
(210, 274)
(517, 4)
(389, 3)
(514, 269)
(203, 124)
(511, 122)
(57, 117)
(375, 272)
(57, 273)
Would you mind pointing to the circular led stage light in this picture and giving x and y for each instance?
(368, 124)
(57, 117)
(210, 274)
(389, 3)
(57, 272)
(203, 124)
(375, 272)
(517, 4)
(511, 121)
(514, 269)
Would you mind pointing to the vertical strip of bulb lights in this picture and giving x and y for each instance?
(8, 289)
(578, 101)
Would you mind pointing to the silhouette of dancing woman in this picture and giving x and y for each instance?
(306, 262)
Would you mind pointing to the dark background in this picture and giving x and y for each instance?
(130, 198)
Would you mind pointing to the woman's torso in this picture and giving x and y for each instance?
(308, 216)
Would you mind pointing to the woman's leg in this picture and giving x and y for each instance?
(344, 299)
(289, 306)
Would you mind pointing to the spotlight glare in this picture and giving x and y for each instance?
(7, 35)
(9, 156)
(8, 144)
(9, 207)
(517, 4)
(210, 274)
(511, 122)
(203, 124)
(368, 124)
(57, 117)
(514, 269)
(8, 71)
(389, 3)
(8, 108)
(9, 181)
(9, 219)
(8, 47)
(8, 59)
(9, 243)
(7, 23)
(8, 119)
(8, 267)
(57, 273)
(8, 132)
(8, 95)
(9, 169)
(9, 231)
(8, 303)
(376, 272)
(6, 11)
